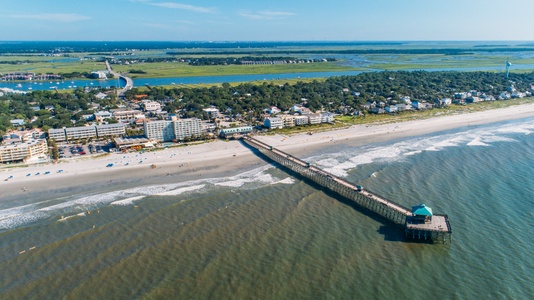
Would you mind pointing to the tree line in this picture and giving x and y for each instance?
(334, 94)
(343, 94)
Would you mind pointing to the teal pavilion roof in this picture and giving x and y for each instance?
(422, 210)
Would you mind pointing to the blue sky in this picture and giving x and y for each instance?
(270, 20)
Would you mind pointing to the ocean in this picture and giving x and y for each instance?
(267, 234)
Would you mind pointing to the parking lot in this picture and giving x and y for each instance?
(73, 150)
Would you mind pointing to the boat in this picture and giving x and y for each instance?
(19, 85)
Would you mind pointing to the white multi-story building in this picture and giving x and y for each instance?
(57, 134)
(273, 123)
(84, 132)
(288, 120)
(301, 120)
(327, 117)
(110, 130)
(128, 116)
(152, 106)
(213, 112)
(187, 128)
(161, 131)
(102, 115)
(165, 131)
(23, 151)
(314, 119)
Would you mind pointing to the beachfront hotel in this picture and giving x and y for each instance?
(84, 132)
(23, 151)
(187, 128)
(161, 131)
(110, 130)
(57, 135)
(166, 131)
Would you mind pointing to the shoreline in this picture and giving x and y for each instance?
(216, 159)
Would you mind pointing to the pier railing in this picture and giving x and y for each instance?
(388, 209)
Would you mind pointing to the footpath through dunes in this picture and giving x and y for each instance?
(419, 225)
(129, 81)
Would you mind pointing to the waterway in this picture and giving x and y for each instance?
(72, 84)
(267, 234)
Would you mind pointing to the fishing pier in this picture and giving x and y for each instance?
(417, 227)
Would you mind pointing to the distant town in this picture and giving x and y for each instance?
(48, 126)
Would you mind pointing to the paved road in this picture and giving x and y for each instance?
(129, 81)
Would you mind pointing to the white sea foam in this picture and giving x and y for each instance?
(127, 201)
(413, 152)
(516, 129)
(495, 138)
(287, 180)
(341, 163)
(256, 175)
(327, 163)
(477, 142)
(180, 191)
(233, 183)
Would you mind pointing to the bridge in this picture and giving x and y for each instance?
(438, 230)
(129, 81)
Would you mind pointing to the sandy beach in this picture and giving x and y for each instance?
(214, 159)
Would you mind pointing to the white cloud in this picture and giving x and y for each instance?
(265, 15)
(66, 18)
(175, 5)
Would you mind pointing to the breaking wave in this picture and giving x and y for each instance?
(341, 163)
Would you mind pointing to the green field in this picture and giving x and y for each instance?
(257, 82)
(439, 61)
(48, 64)
(161, 69)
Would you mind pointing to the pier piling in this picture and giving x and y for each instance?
(436, 231)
